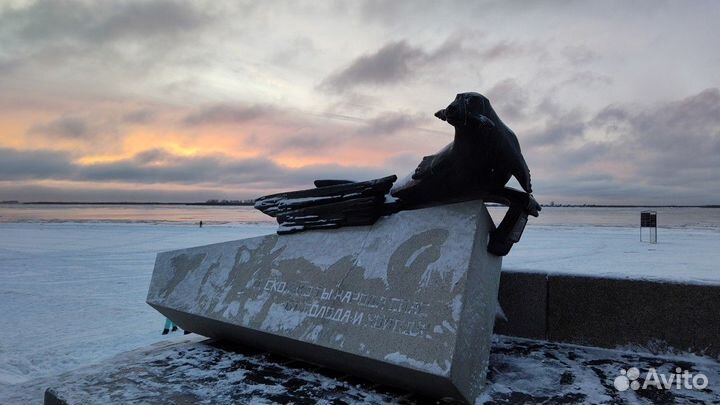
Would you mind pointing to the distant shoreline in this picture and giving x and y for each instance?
(251, 203)
(241, 203)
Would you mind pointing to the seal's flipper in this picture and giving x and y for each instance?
(513, 197)
(513, 223)
(508, 232)
(512, 156)
(517, 165)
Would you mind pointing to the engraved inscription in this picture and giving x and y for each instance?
(357, 308)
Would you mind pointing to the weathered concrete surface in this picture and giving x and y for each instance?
(655, 316)
(613, 312)
(523, 299)
(408, 301)
(521, 372)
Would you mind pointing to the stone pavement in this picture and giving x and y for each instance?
(521, 371)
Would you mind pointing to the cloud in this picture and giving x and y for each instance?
(578, 54)
(566, 127)
(502, 49)
(34, 164)
(230, 114)
(300, 48)
(509, 98)
(392, 63)
(679, 139)
(107, 77)
(375, 11)
(99, 22)
(389, 123)
(560, 126)
(157, 166)
(64, 127)
(656, 153)
(105, 128)
(585, 79)
(652, 153)
(399, 61)
(275, 129)
(141, 116)
(93, 51)
(303, 141)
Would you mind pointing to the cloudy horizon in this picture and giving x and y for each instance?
(613, 102)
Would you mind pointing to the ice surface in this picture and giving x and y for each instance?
(73, 294)
(681, 254)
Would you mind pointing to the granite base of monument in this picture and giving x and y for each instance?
(409, 301)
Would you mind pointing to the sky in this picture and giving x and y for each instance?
(614, 102)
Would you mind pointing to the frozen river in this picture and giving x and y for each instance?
(73, 293)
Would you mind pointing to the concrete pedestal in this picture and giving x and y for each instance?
(409, 301)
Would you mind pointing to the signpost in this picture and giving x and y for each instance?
(648, 224)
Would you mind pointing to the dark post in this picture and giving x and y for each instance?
(648, 219)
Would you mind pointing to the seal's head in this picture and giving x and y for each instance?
(467, 110)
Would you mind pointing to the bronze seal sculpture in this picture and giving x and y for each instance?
(482, 158)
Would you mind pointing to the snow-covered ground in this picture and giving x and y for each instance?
(73, 294)
(683, 255)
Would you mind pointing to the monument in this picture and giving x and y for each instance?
(479, 162)
(396, 282)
